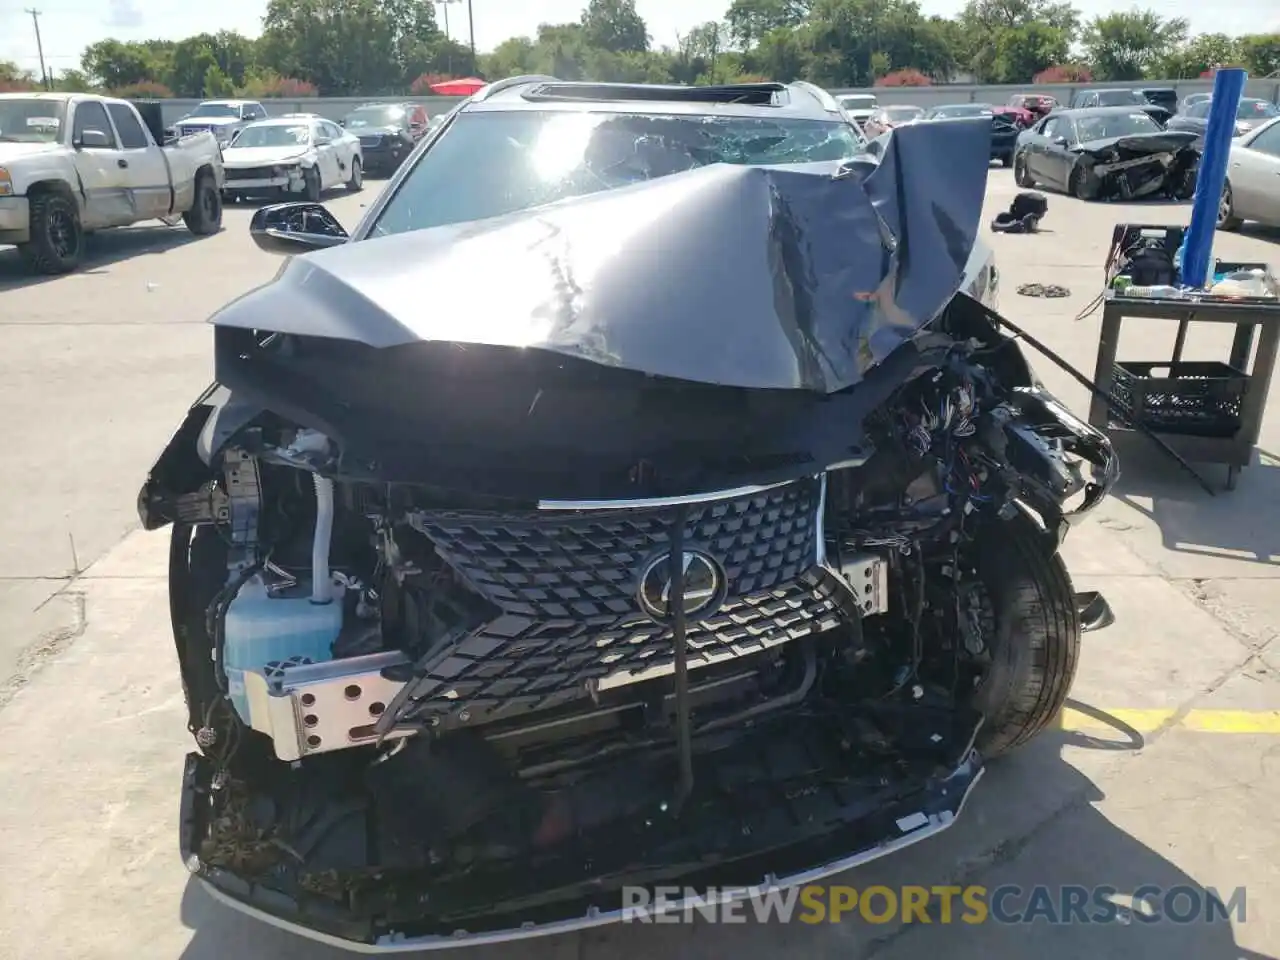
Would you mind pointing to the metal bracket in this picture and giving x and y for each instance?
(868, 577)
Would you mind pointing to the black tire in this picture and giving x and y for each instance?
(1006, 161)
(1227, 219)
(1036, 646)
(205, 216)
(311, 184)
(57, 239)
(1075, 183)
(1020, 174)
(355, 183)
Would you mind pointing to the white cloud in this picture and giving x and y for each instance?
(123, 15)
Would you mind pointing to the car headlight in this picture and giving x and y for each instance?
(6, 183)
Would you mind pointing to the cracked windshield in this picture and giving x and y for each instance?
(520, 160)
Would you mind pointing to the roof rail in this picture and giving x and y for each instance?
(755, 94)
(824, 97)
(484, 93)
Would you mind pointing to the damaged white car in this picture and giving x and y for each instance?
(302, 155)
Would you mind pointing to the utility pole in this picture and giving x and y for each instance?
(35, 21)
(471, 27)
(444, 5)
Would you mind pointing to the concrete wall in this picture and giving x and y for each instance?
(337, 107)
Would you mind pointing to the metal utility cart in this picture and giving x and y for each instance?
(1206, 411)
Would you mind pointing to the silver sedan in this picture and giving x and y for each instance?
(1252, 191)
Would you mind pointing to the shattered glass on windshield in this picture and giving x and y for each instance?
(519, 160)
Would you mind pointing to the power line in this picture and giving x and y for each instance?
(35, 22)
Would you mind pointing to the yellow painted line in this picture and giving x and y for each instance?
(1150, 720)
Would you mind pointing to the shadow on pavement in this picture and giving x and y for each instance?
(101, 250)
(1031, 821)
(1234, 523)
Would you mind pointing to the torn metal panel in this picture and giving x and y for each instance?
(1136, 166)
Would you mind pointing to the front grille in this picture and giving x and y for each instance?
(566, 588)
(251, 173)
(187, 129)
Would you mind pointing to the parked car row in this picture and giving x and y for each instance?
(387, 132)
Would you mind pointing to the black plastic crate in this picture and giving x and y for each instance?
(1196, 397)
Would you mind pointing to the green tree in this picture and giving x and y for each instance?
(614, 25)
(781, 54)
(217, 85)
(349, 47)
(192, 60)
(750, 20)
(114, 64)
(852, 41)
(1008, 41)
(1200, 54)
(1261, 54)
(1124, 46)
(510, 58)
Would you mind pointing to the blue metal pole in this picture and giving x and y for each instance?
(1197, 246)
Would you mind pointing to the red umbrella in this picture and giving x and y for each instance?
(459, 88)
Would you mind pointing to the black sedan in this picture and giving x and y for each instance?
(1004, 131)
(387, 132)
(1250, 114)
(1107, 153)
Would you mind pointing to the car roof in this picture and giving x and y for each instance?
(288, 120)
(1097, 111)
(952, 106)
(796, 100)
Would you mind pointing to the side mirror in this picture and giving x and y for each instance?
(93, 139)
(1060, 141)
(298, 227)
(342, 122)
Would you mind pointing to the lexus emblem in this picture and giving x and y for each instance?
(703, 585)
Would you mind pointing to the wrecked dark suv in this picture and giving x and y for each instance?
(660, 504)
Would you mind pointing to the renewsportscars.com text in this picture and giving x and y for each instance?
(972, 905)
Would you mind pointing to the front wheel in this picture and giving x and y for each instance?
(356, 181)
(311, 184)
(56, 243)
(1006, 161)
(1021, 176)
(1075, 183)
(1034, 645)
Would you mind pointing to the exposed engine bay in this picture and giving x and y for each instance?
(1134, 168)
(359, 657)
(722, 576)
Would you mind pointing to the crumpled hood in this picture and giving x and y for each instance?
(10, 152)
(234, 156)
(1164, 141)
(795, 277)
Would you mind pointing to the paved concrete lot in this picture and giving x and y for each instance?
(1164, 772)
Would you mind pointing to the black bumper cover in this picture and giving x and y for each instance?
(812, 831)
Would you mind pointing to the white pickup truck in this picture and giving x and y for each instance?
(73, 163)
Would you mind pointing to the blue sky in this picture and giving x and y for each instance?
(68, 26)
